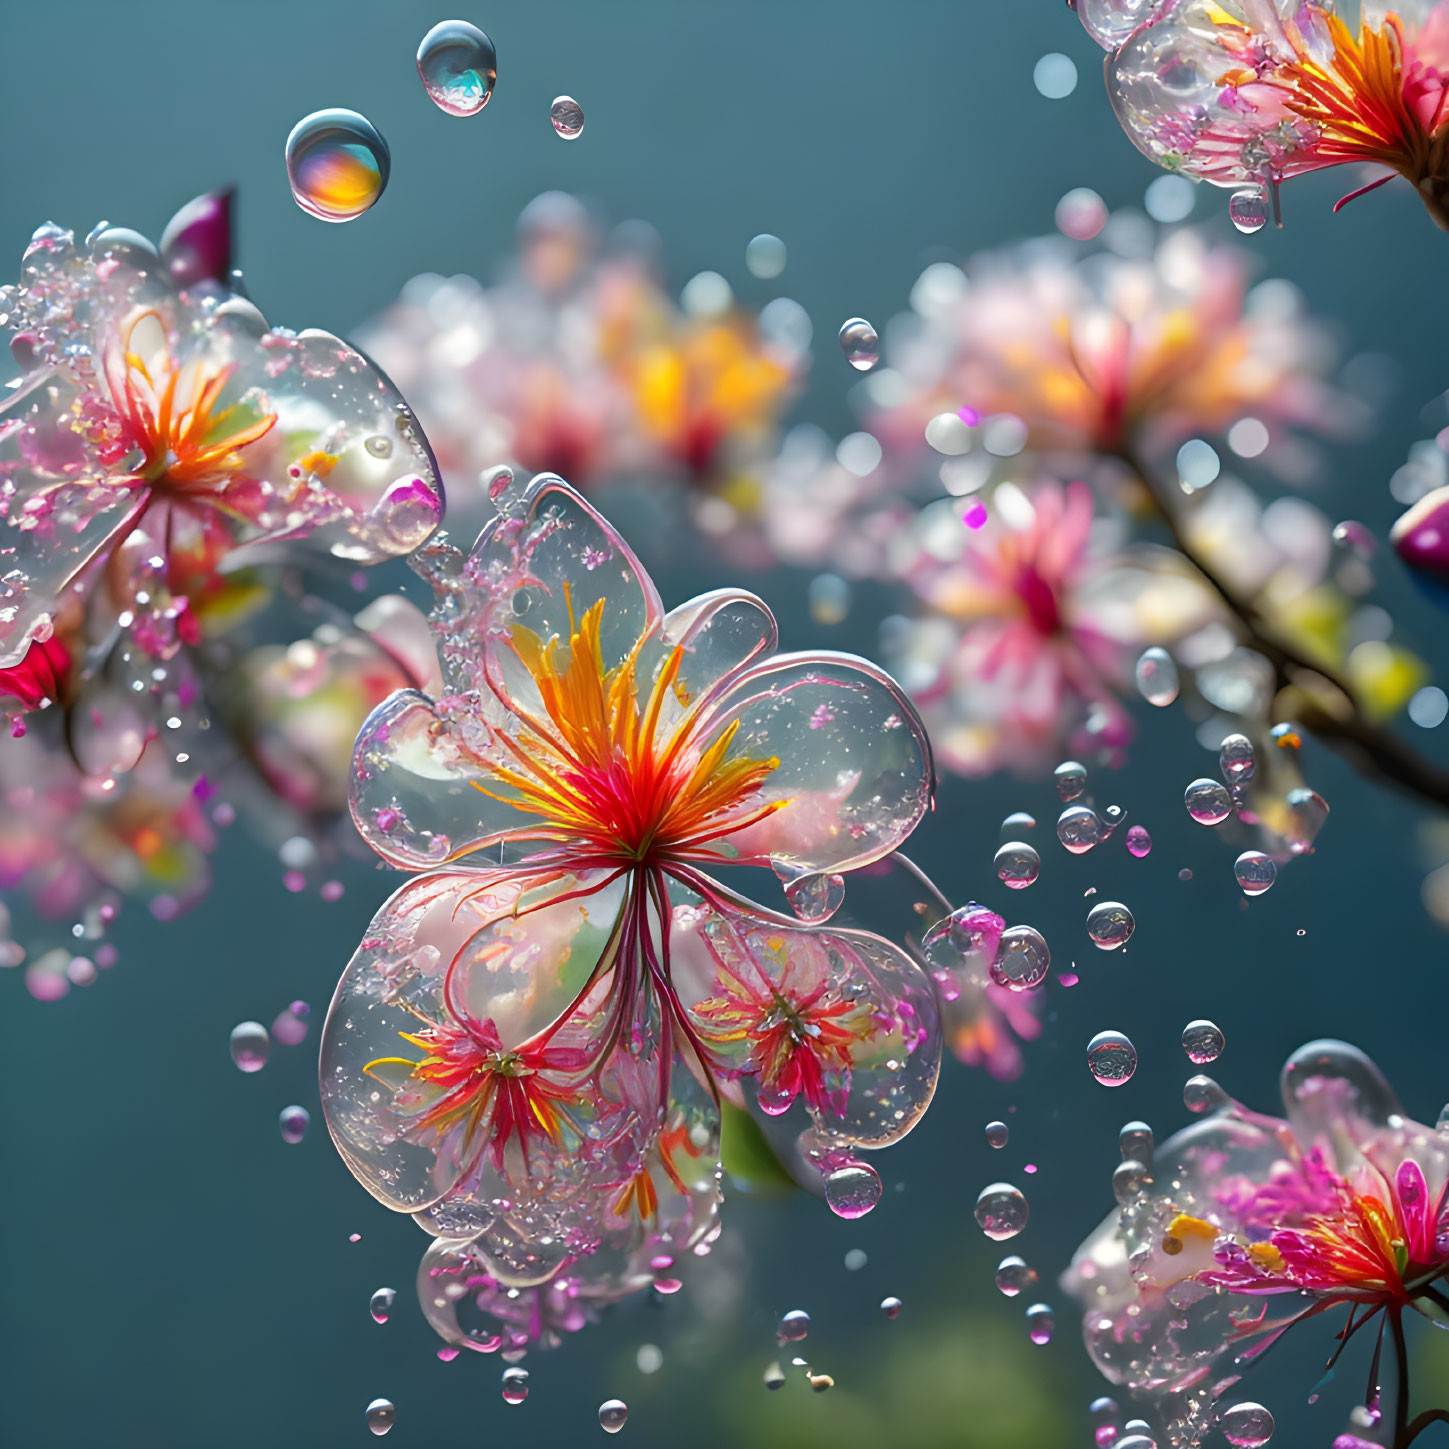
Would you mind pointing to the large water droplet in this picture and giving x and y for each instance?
(1201, 1094)
(793, 1326)
(294, 1122)
(1015, 1275)
(860, 344)
(1110, 924)
(1207, 801)
(1080, 828)
(567, 116)
(1236, 760)
(1017, 864)
(1157, 680)
(250, 1045)
(1203, 1041)
(1070, 778)
(337, 164)
(1255, 872)
(853, 1190)
(1111, 1058)
(380, 1304)
(1246, 1425)
(613, 1415)
(381, 1415)
(1139, 842)
(1001, 1211)
(891, 1307)
(1023, 959)
(815, 898)
(1041, 1323)
(1135, 1142)
(458, 65)
(515, 1385)
(997, 1134)
(1248, 209)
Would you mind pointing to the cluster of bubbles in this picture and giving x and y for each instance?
(251, 1049)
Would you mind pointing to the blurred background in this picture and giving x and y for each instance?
(171, 1272)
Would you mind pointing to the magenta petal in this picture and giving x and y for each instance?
(196, 245)
(1421, 535)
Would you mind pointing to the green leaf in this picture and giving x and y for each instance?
(748, 1157)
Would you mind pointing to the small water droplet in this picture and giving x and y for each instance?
(1135, 1441)
(997, 1134)
(1236, 761)
(1207, 801)
(337, 164)
(1139, 842)
(1022, 959)
(1255, 872)
(815, 898)
(1157, 680)
(515, 1384)
(1001, 1211)
(774, 1377)
(1201, 1094)
(860, 344)
(1017, 864)
(1248, 209)
(1015, 1275)
(1135, 1142)
(829, 599)
(1111, 1058)
(1246, 1425)
(1070, 778)
(853, 1190)
(1016, 822)
(458, 65)
(380, 1304)
(567, 116)
(381, 1415)
(1203, 1041)
(1110, 925)
(613, 1415)
(1128, 1179)
(891, 1307)
(293, 1122)
(1041, 1323)
(1105, 1416)
(250, 1045)
(793, 1326)
(1080, 829)
(765, 256)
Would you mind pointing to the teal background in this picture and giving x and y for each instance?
(171, 1274)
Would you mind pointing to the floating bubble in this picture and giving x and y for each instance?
(1203, 1041)
(515, 1385)
(1001, 1211)
(1015, 1275)
(856, 1259)
(381, 1415)
(1139, 842)
(1248, 209)
(458, 65)
(1208, 802)
(1080, 829)
(1081, 214)
(1185, 873)
(860, 344)
(649, 1359)
(1170, 199)
(1236, 760)
(1129, 1178)
(289, 1028)
(1246, 1425)
(1111, 1058)
(337, 164)
(1135, 1142)
(1429, 707)
(1201, 1094)
(998, 1134)
(250, 1045)
(567, 116)
(1041, 1323)
(294, 1122)
(853, 1190)
(1022, 959)
(1157, 680)
(891, 1307)
(1110, 925)
(1255, 872)
(380, 1304)
(1308, 813)
(1105, 1416)
(793, 1326)
(1249, 437)
(613, 1415)
(829, 599)
(1017, 865)
(1198, 465)
(1070, 778)
(1016, 822)
(1055, 76)
(765, 256)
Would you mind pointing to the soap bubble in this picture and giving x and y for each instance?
(458, 65)
(337, 164)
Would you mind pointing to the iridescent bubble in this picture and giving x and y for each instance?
(381, 1415)
(515, 1384)
(853, 1190)
(1157, 680)
(891, 1307)
(458, 65)
(793, 1326)
(1017, 865)
(860, 344)
(250, 1045)
(294, 1122)
(998, 1134)
(380, 1304)
(1110, 925)
(1208, 802)
(1041, 1323)
(1080, 829)
(765, 256)
(1248, 209)
(337, 164)
(1255, 872)
(1236, 761)
(1022, 959)
(613, 1415)
(1135, 1142)
(1001, 1211)
(1111, 1058)
(1139, 842)
(567, 116)
(1070, 778)
(1246, 1425)
(1015, 1275)
(1201, 1094)
(1203, 1041)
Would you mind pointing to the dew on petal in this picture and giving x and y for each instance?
(1208, 801)
(794, 1326)
(613, 1415)
(1247, 1425)
(1080, 829)
(1110, 925)
(294, 1122)
(1248, 209)
(1070, 778)
(997, 1134)
(1255, 872)
(1001, 1211)
(458, 65)
(860, 344)
(337, 164)
(853, 1190)
(381, 1415)
(567, 116)
(1236, 761)
(1017, 865)
(1157, 680)
(1111, 1058)
(1203, 1041)
(380, 1304)
(1139, 842)
(515, 1384)
(891, 1307)
(1022, 959)
(250, 1045)
(1015, 1275)
(1041, 1323)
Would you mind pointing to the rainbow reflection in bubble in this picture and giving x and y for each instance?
(337, 164)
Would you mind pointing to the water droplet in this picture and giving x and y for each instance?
(1139, 842)
(1105, 1416)
(856, 1259)
(515, 1385)
(1017, 864)
(567, 116)
(1236, 760)
(1157, 680)
(1022, 960)
(774, 1377)
(380, 1304)
(1135, 1142)
(860, 344)
(250, 1045)
(1001, 1211)
(891, 1307)
(1081, 214)
(1185, 873)
(1248, 209)
(853, 1190)
(1015, 1275)
(997, 1134)
(1041, 1323)
(1110, 924)
(337, 164)
(1201, 1094)
(815, 898)
(1136, 1441)
(1203, 1041)
(793, 1326)
(289, 1027)
(765, 256)
(1080, 828)
(294, 1122)
(1207, 802)
(1308, 813)
(1111, 1058)
(1070, 778)
(1246, 1425)
(458, 65)
(1016, 822)
(1128, 1179)
(381, 1415)
(613, 1415)
(1255, 872)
